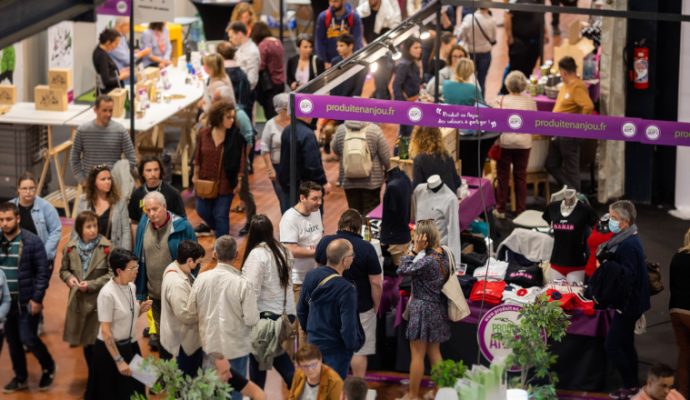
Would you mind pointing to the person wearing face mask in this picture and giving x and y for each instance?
(103, 197)
(179, 333)
(624, 250)
(84, 270)
(152, 173)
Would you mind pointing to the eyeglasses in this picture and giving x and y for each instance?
(28, 189)
(310, 366)
(134, 268)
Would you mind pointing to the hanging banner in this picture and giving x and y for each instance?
(154, 10)
(494, 120)
(114, 7)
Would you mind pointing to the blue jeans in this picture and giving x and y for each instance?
(239, 364)
(339, 360)
(190, 364)
(215, 213)
(282, 364)
(483, 62)
(283, 198)
(620, 348)
(21, 329)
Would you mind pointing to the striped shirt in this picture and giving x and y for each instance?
(94, 145)
(9, 261)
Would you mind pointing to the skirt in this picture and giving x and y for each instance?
(106, 382)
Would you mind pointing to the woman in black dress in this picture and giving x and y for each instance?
(108, 77)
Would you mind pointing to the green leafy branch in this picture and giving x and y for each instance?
(172, 384)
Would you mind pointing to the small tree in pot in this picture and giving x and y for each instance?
(172, 384)
(530, 351)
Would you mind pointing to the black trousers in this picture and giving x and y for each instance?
(21, 329)
(620, 348)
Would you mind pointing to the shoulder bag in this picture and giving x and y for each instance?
(207, 189)
(457, 305)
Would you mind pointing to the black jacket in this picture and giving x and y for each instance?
(108, 76)
(34, 270)
(240, 85)
(395, 218)
(309, 166)
(407, 80)
(679, 281)
(292, 68)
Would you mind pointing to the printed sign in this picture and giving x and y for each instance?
(154, 10)
(492, 322)
(494, 120)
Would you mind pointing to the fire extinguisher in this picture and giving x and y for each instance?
(641, 66)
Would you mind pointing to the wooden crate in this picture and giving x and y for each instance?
(8, 94)
(450, 141)
(60, 78)
(404, 165)
(119, 98)
(152, 73)
(48, 99)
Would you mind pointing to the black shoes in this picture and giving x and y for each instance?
(15, 385)
(244, 230)
(47, 379)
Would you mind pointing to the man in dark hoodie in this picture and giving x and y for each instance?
(339, 18)
(327, 307)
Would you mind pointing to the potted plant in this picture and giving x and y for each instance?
(527, 339)
(444, 375)
(172, 384)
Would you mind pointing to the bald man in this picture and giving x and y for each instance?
(121, 53)
(327, 307)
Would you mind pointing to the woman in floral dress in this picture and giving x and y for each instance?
(428, 327)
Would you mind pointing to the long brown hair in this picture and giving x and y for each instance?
(91, 191)
(427, 140)
(261, 231)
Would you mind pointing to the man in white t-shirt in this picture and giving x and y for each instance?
(301, 229)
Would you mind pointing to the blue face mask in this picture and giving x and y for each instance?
(614, 226)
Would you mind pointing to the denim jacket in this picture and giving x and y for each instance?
(47, 222)
(4, 299)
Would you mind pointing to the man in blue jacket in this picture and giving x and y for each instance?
(339, 18)
(23, 260)
(327, 307)
(159, 233)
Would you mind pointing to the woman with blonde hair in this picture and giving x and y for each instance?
(431, 158)
(244, 12)
(679, 308)
(460, 90)
(102, 196)
(515, 147)
(455, 54)
(217, 78)
(427, 264)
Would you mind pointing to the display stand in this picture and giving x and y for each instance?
(26, 114)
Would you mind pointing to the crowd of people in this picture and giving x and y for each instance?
(304, 302)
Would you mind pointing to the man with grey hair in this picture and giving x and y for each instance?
(226, 306)
(327, 308)
(158, 236)
(121, 53)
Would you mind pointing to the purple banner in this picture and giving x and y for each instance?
(495, 120)
(114, 7)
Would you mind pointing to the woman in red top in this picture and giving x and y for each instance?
(272, 55)
(219, 157)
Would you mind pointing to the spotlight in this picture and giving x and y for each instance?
(424, 33)
(395, 54)
(373, 67)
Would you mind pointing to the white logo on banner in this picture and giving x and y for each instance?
(629, 129)
(515, 121)
(306, 106)
(414, 114)
(121, 6)
(652, 132)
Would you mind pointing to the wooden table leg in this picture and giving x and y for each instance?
(46, 162)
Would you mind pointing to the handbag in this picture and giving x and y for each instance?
(457, 305)
(206, 189)
(656, 285)
(495, 151)
(287, 331)
(265, 81)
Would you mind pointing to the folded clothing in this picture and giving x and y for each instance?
(489, 291)
(493, 270)
(515, 294)
(524, 276)
(573, 301)
(473, 261)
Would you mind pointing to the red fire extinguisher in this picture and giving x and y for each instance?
(641, 66)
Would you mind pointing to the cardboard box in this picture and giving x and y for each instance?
(60, 78)
(8, 94)
(48, 99)
(152, 73)
(119, 98)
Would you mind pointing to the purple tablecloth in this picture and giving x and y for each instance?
(470, 207)
(546, 104)
(596, 325)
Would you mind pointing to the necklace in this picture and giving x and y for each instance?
(131, 304)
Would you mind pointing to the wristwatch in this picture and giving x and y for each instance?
(118, 359)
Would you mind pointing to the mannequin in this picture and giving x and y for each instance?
(434, 200)
(571, 221)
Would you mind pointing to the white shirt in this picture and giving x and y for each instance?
(248, 58)
(310, 392)
(118, 305)
(496, 270)
(515, 294)
(225, 304)
(270, 140)
(304, 231)
(471, 35)
(261, 270)
(178, 326)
